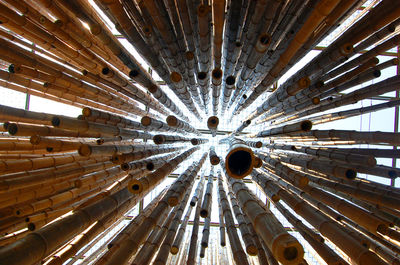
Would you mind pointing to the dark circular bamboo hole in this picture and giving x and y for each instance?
(55, 121)
(110, 245)
(248, 122)
(125, 166)
(204, 213)
(264, 39)
(392, 174)
(244, 96)
(133, 73)
(202, 75)
(351, 174)
(377, 73)
(105, 71)
(11, 68)
(306, 126)
(293, 148)
(150, 166)
(11, 127)
(49, 149)
(158, 139)
(204, 245)
(217, 73)
(290, 253)
(31, 227)
(239, 162)
(135, 187)
(17, 212)
(189, 56)
(230, 80)
(6, 125)
(192, 204)
(238, 44)
(172, 120)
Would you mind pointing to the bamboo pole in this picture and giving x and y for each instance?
(239, 159)
(214, 158)
(207, 200)
(175, 122)
(212, 124)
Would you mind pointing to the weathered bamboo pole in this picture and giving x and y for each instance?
(205, 235)
(238, 130)
(157, 125)
(147, 152)
(251, 248)
(239, 255)
(222, 226)
(175, 122)
(216, 81)
(227, 91)
(212, 124)
(303, 126)
(207, 200)
(154, 178)
(168, 139)
(214, 158)
(19, 115)
(239, 160)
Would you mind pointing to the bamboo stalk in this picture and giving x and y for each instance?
(239, 160)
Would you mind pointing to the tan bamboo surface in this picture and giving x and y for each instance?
(214, 158)
(168, 139)
(164, 250)
(212, 124)
(157, 125)
(222, 226)
(150, 181)
(239, 255)
(133, 156)
(304, 126)
(239, 159)
(207, 199)
(184, 181)
(175, 122)
(191, 256)
(276, 238)
(251, 247)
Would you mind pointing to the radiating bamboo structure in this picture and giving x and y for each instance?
(94, 189)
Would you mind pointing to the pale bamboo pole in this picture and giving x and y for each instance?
(157, 125)
(216, 81)
(197, 141)
(168, 139)
(102, 129)
(214, 158)
(222, 226)
(190, 64)
(207, 200)
(179, 237)
(212, 124)
(175, 122)
(191, 256)
(239, 160)
(239, 255)
(205, 235)
(227, 91)
(238, 130)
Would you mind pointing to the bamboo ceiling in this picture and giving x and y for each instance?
(70, 185)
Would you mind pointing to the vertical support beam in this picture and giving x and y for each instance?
(396, 116)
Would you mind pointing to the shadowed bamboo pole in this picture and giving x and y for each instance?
(168, 139)
(157, 125)
(207, 200)
(20, 129)
(284, 247)
(216, 81)
(111, 149)
(203, 79)
(191, 256)
(94, 115)
(175, 122)
(222, 226)
(83, 126)
(214, 158)
(218, 17)
(179, 237)
(247, 238)
(190, 64)
(19, 115)
(238, 130)
(147, 152)
(227, 91)
(149, 164)
(198, 141)
(212, 124)
(239, 161)
(303, 126)
(150, 181)
(205, 234)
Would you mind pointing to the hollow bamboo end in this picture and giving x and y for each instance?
(259, 144)
(12, 128)
(145, 121)
(252, 250)
(147, 30)
(125, 166)
(100, 141)
(87, 112)
(152, 89)
(306, 126)
(377, 73)
(257, 162)
(316, 100)
(189, 56)
(35, 139)
(194, 141)
(172, 121)
(202, 75)
(346, 49)
(135, 186)
(85, 150)
(174, 250)
(203, 213)
(304, 82)
(158, 139)
(175, 77)
(217, 73)
(133, 73)
(173, 201)
(31, 227)
(212, 122)
(56, 121)
(239, 162)
(150, 166)
(230, 80)
(106, 72)
(351, 174)
(287, 249)
(214, 160)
